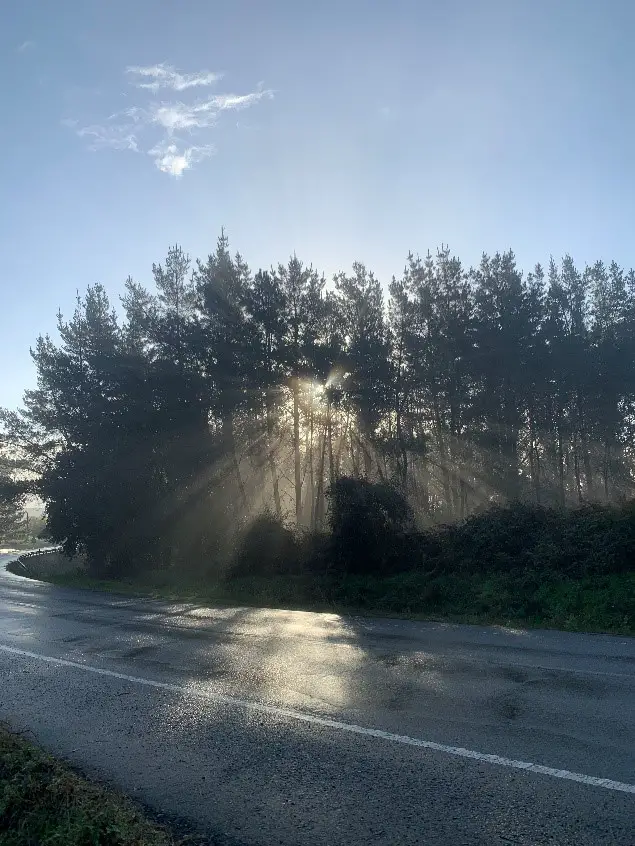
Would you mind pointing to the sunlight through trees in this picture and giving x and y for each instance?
(223, 393)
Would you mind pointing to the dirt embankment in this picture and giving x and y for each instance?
(46, 562)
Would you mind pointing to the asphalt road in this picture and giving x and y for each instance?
(281, 727)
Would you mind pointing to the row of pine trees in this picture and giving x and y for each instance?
(221, 392)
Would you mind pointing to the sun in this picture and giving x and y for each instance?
(312, 388)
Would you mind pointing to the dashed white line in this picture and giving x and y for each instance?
(351, 728)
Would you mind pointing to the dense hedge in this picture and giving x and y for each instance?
(516, 565)
(570, 569)
(372, 533)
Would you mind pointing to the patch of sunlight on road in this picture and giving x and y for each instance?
(297, 660)
(265, 622)
(317, 664)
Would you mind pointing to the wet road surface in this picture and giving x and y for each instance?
(283, 727)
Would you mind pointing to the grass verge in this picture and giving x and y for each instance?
(591, 604)
(43, 802)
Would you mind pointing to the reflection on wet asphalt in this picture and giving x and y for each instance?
(561, 700)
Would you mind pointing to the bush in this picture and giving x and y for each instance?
(500, 539)
(372, 533)
(42, 801)
(372, 527)
(570, 569)
(591, 540)
(266, 548)
(594, 540)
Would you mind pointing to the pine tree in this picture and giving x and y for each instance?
(222, 393)
(264, 305)
(221, 284)
(304, 311)
(359, 300)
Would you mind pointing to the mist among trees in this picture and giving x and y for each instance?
(161, 427)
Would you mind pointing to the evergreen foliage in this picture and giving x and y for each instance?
(160, 429)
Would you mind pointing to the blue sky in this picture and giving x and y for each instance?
(358, 129)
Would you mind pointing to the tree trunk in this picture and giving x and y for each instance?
(576, 467)
(368, 460)
(296, 450)
(340, 447)
(605, 468)
(463, 506)
(367, 457)
(351, 446)
(583, 445)
(534, 459)
(329, 422)
(588, 471)
(318, 512)
(230, 445)
(403, 455)
(443, 458)
(311, 491)
(561, 494)
(270, 456)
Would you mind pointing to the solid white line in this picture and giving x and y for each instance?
(457, 751)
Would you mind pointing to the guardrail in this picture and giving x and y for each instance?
(36, 552)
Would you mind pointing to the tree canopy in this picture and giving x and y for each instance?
(160, 426)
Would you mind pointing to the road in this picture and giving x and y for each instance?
(283, 727)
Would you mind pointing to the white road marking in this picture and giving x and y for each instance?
(351, 728)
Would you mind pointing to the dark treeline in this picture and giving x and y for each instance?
(223, 393)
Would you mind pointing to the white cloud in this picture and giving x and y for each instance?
(25, 46)
(240, 101)
(169, 159)
(165, 76)
(175, 116)
(179, 116)
(136, 127)
(109, 136)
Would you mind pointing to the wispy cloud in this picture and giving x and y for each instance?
(240, 101)
(136, 127)
(109, 136)
(178, 116)
(165, 76)
(25, 46)
(170, 159)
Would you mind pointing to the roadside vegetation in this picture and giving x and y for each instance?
(456, 443)
(519, 564)
(43, 802)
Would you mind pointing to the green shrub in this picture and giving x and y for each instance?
(266, 548)
(44, 803)
(371, 527)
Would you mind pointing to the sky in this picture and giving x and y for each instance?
(341, 131)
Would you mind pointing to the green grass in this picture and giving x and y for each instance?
(43, 802)
(591, 604)
(518, 565)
